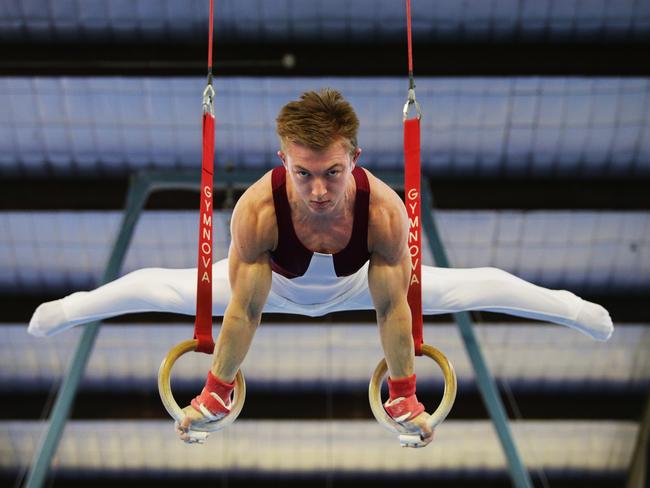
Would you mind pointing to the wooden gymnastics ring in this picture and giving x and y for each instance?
(165, 390)
(407, 436)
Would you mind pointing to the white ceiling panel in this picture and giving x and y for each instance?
(312, 356)
(578, 250)
(354, 447)
(323, 20)
(471, 126)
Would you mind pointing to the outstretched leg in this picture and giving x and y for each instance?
(449, 290)
(143, 290)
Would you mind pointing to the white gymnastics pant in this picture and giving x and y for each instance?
(443, 291)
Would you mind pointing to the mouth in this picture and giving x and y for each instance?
(316, 204)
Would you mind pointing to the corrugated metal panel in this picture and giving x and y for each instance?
(579, 250)
(324, 20)
(290, 447)
(471, 126)
(308, 356)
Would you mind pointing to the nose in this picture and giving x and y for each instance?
(319, 189)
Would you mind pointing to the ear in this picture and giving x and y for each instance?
(283, 158)
(355, 158)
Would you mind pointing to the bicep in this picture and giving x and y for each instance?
(389, 270)
(248, 258)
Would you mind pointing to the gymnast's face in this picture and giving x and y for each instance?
(319, 178)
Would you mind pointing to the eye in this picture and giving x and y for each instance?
(333, 172)
(302, 174)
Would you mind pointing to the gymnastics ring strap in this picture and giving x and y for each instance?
(165, 391)
(406, 435)
(202, 341)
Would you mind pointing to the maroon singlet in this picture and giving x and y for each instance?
(291, 258)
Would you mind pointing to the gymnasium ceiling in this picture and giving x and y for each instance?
(536, 141)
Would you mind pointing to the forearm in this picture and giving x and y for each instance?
(397, 340)
(250, 283)
(233, 343)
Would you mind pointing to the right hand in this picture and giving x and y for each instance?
(420, 426)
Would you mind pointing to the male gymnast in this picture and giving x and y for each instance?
(319, 234)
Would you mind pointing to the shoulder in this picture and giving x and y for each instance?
(253, 225)
(387, 221)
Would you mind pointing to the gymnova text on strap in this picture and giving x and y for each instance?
(414, 232)
(206, 235)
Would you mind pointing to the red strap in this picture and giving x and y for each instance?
(210, 36)
(408, 34)
(203, 323)
(412, 200)
(413, 209)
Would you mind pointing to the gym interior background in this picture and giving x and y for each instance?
(535, 140)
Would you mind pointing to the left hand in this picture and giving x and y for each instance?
(184, 428)
(420, 426)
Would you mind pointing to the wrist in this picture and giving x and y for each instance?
(403, 405)
(401, 387)
(214, 400)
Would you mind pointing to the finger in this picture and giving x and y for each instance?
(419, 443)
(186, 423)
(184, 433)
(427, 433)
(424, 440)
(188, 439)
(196, 437)
(426, 436)
(180, 432)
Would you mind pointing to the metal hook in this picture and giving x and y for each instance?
(411, 101)
(208, 100)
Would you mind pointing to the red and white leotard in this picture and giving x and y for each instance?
(311, 281)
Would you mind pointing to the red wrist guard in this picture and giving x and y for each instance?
(402, 387)
(403, 404)
(214, 398)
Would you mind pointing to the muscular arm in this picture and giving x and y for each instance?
(253, 235)
(250, 280)
(388, 283)
(388, 276)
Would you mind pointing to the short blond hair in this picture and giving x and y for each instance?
(318, 120)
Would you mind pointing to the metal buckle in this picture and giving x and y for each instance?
(208, 100)
(411, 101)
